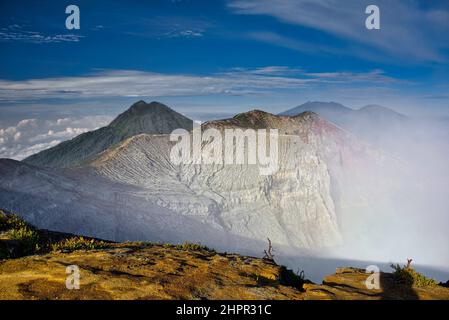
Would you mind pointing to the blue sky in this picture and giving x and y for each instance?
(213, 58)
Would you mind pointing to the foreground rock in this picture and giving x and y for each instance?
(349, 284)
(136, 271)
(33, 265)
(143, 271)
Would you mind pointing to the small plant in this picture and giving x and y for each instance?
(269, 253)
(24, 239)
(406, 275)
(301, 275)
(78, 243)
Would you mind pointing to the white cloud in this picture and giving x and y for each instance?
(406, 30)
(17, 136)
(184, 34)
(17, 33)
(36, 135)
(126, 83)
(27, 122)
(168, 26)
(20, 152)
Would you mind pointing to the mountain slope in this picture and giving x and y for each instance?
(140, 118)
(78, 202)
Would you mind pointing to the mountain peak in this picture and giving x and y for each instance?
(307, 115)
(374, 109)
(141, 117)
(253, 114)
(323, 103)
(319, 107)
(255, 119)
(142, 106)
(143, 103)
(139, 102)
(141, 113)
(258, 119)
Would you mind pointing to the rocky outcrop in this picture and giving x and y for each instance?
(349, 284)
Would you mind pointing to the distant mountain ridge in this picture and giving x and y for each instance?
(373, 123)
(323, 108)
(141, 117)
(330, 110)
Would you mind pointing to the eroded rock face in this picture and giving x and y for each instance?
(292, 207)
(133, 191)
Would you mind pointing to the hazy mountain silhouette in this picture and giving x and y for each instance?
(373, 123)
(337, 112)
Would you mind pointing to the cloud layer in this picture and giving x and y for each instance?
(16, 32)
(239, 81)
(30, 136)
(407, 30)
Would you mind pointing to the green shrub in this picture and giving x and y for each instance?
(24, 239)
(11, 221)
(408, 276)
(27, 237)
(191, 246)
(78, 243)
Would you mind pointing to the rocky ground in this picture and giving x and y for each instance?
(134, 271)
(143, 271)
(349, 284)
(33, 266)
